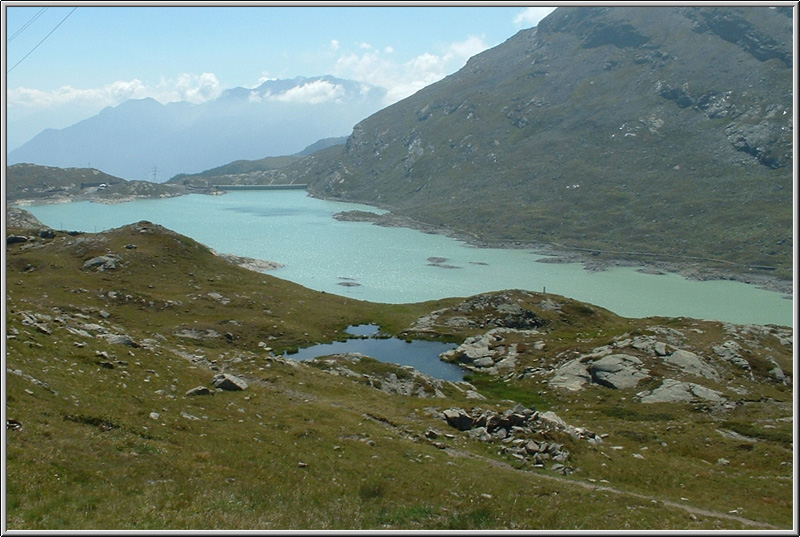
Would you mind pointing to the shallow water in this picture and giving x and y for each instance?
(421, 355)
(398, 265)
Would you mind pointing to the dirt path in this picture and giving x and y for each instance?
(590, 486)
(604, 488)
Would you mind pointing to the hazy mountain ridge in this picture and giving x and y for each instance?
(665, 131)
(145, 140)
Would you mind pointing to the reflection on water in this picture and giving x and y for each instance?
(363, 330)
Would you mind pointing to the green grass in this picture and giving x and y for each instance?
(122, 447)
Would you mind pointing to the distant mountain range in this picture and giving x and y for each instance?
(145, 140)
(646, 132)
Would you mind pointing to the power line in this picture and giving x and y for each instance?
(43, 40)
(24, 26)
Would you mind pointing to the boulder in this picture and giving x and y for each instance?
(458, 418)
(619, 371)
(103, 262)
(226, 381)
(15, 239)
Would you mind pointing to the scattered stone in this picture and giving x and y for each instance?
(154, 415)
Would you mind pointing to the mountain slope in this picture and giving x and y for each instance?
(145, 140)
(637, 131)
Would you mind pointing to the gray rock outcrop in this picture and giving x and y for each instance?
(571, 376)
(487, 353)
(692, 364)
(674, 391)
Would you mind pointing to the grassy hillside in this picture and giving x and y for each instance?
(109, 333)
(632, 132)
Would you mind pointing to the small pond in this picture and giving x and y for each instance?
(420, 354)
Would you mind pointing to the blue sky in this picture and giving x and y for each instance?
(101, 56)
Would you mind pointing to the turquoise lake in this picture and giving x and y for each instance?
(392, 265)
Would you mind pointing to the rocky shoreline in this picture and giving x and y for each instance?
(693, 270)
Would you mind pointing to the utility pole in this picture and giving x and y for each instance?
(155, 174)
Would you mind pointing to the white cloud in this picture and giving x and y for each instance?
(108, 95)
(187, 87)
(403, 79)
(531, 16)
(190, 88)
(335, 44)
(316, 92)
